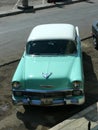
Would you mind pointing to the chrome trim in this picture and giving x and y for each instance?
(64, 101)
(46, 75)
(42, 91)
(45, 91)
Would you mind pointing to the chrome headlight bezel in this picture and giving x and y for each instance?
(76, 84)
(15, 84)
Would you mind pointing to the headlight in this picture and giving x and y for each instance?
(16, 84)
(76, 84)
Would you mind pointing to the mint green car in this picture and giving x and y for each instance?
(50, 71)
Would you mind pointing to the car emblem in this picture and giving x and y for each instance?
(46, 75)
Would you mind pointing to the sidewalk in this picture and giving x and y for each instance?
(84, 120)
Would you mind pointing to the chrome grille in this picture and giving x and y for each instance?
(45, 94)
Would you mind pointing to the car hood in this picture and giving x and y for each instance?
(48, 72)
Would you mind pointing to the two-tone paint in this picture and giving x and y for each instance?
(50, 79)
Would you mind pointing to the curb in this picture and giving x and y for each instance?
(21, 9)
(78, 118)
(10, 12)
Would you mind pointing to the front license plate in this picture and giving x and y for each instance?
(46, 101)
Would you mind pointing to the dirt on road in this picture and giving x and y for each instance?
(7, 109)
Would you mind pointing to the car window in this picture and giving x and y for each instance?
(97, 24)
(51, 47)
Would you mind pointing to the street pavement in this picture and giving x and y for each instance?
(16, 7)
(84, 120)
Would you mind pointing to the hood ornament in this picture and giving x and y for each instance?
(46, 75)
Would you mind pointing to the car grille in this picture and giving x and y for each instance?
(45, 95)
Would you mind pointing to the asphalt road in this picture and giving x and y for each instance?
(14, 30)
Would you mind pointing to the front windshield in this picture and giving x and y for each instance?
(50, 47)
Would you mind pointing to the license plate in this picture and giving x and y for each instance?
(46, 101)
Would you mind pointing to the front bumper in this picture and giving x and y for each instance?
(73, 101)
(48, 99)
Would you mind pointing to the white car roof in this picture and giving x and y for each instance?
(53, 31)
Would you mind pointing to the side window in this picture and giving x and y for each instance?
(29, 47)
(97, 25)
(71, 47)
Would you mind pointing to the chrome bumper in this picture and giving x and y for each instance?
(47, 102)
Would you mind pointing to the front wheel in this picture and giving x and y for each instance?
(95, 42)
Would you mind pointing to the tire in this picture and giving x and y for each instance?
(95, 42)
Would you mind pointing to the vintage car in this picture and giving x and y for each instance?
(95, 34)
(50, 71)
